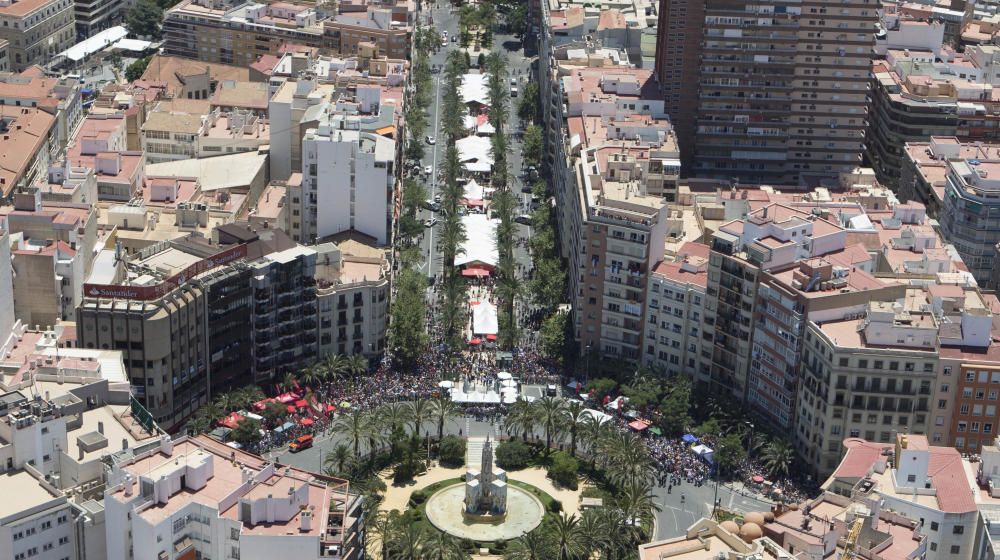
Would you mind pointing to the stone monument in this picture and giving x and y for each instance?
(486, 489)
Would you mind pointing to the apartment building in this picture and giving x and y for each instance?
(4, 58)
(782, 88)
(227, 32)
(60, 98)
(36, 30)
(94, 16)
(674, 307)
(352, 298)
(100, 144)
(180, 310)
(918, 481)
(385, 30)
(959, 180)
(25, 138)
(213, 500)
(237, 33)
(348, 179)
(917, 95)
(617, 165)
(284, 322)
(170, 136)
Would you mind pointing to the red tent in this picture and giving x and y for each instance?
(638, 425)
(328, 408)
(231, 421)
(306, 422)
(475, 272)
(475, 342)
(286, 398)
(301, 403)
(290, 409)
(491, 337)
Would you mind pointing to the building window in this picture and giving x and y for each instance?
(955, 549)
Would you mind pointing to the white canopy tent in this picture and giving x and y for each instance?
(475, 397)
(475, 153)
(508, 384)
(480, 245)
(94, 44)
(475, 191)
(598, 415)
(504, 375)
(704, 452)
(484, 319)
(475, 89)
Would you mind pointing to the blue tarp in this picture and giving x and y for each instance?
(689, 438)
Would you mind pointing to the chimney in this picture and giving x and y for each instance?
(129, 484)
(305, 521)
(167, 446)
(100, 427)
(124, 444)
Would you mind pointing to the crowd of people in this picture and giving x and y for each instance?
(675, 462)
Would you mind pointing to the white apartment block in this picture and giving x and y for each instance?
(347, 181)
(674, 306)
(935, 485)
(196, 497)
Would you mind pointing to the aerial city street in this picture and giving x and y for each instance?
(499, 279)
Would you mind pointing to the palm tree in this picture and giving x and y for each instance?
(442, 410)
(251, 394)
(439, 545)
(409, 543)
(625, 458)
(337, 460)
(393, 417)
(551, 415)
(335, 366)
(309, 376)
(564, 535)
(420, 411)
(594, 531)
(529, 546)
(289, 382)
(356, 365)
(592, 431)
(521, 418)
(225, 402)
(355, 425)
(636, 501)
(383, 531)
(777, 458)
(576, 418)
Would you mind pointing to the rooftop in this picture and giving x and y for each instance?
(22, 493)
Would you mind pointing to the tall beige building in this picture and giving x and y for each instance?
(781, 86)
(36, 30)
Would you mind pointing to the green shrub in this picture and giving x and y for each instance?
(417, 498)
(563, 470)
(555, 506)
(513, 455)
(451, 451)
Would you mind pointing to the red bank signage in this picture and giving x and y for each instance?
(144, 293)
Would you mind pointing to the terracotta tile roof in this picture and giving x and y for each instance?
(27, 132)
(951, 484)
(860, 457)
(173, 69)
(24, 7)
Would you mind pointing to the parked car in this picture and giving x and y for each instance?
(431, 140)
(428, 170)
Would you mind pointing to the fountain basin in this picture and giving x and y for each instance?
(446, 511)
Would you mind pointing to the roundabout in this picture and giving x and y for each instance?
(445, 510)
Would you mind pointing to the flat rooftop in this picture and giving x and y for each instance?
(21, 492)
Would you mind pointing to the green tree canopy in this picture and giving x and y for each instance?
(143, 19)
